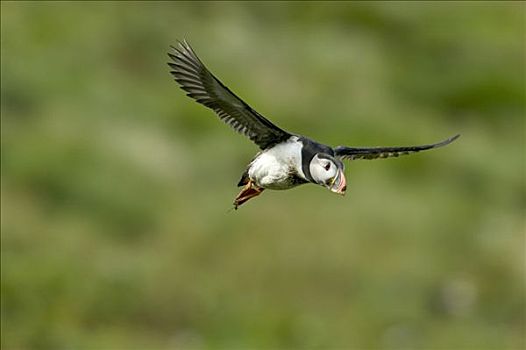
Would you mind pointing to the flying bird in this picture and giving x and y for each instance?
(286, 159)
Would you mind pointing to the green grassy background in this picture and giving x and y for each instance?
(116, 187)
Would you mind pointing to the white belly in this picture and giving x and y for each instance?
(272, 169)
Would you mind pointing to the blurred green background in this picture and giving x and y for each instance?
(116, 187)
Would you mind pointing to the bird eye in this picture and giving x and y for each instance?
(327, 167)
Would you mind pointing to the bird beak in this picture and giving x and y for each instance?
(340, 184)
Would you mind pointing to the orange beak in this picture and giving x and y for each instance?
(340, 184)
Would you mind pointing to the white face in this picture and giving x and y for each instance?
(323, 170)
(328, 172)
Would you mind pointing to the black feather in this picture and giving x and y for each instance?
(352, 153)
(201, 85)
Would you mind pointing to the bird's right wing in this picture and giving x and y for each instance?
(352, 153)
(205, 88)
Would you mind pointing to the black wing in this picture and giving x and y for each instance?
(205, 88)
(385, 152)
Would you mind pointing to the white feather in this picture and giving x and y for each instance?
(272, 168)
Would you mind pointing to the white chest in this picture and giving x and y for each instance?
(273, 168)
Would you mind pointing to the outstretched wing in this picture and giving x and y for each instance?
(352, 153)
(205, 88)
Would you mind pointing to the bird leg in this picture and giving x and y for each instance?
(249, 191)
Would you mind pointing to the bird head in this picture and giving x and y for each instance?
(327, 171)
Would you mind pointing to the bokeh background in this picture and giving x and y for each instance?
(116, 188)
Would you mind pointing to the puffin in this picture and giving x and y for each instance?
(286, 159)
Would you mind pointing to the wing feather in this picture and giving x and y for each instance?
(353, 153)
(201, 85)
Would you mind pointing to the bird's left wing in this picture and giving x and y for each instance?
(205, 88)
(352, 153)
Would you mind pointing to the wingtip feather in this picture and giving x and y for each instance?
(454, 137)
(448, 141)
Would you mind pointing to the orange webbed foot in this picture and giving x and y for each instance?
(250, 190)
